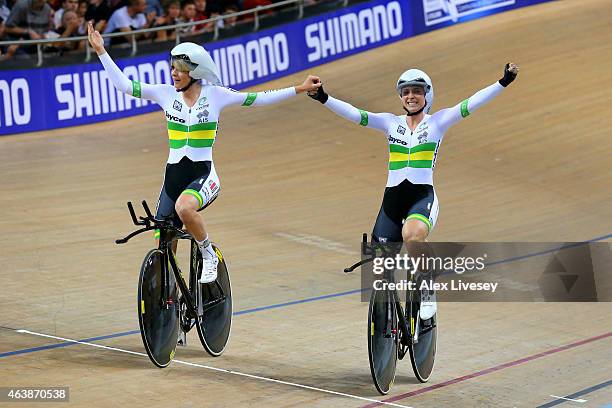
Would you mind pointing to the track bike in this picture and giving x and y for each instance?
(395, 330)
(168, 307)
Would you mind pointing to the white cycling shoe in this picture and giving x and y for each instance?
(429, 306)
(209, 269)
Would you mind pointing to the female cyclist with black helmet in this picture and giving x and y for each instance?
(192, 111)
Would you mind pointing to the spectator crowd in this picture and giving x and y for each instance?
(59, 19)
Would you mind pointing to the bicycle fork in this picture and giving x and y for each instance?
(408, 337)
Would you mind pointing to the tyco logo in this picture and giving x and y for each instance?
(398, 141)
(174, 118)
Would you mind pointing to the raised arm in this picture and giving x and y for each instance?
(229, 97)
(137, 89)
(448, 117)
(371, 120)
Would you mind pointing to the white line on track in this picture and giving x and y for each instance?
(238, 373)
(318, 242)
(569, 399)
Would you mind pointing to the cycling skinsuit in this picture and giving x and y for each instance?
(412, 157)
(191, 133)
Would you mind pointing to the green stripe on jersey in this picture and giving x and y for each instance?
(198, 126)
(203, 126)
(177, 126)
(249, 99)
(136, 89)
(464, 108)
(200, 142)
(177, 144)
(420, 164)
(425, 147)
(393, 148)
(416, 164)
(397, 165)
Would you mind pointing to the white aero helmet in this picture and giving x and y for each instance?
(416, 77)
(194, 58)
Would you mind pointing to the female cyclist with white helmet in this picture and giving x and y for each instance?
(192, 111)
(410, 207)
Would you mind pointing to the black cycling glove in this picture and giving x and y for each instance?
(320, 95)
(508, 77)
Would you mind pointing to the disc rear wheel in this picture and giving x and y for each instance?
(423, 350)
(215, 301)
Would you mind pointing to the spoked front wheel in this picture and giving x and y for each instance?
(157, 314)
(215, 302)
(424, 334)
(383, 338)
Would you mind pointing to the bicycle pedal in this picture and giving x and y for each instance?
(182, 339)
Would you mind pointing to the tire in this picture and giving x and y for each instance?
(383, 339)
(215, 324)
(159, 326)
(422, 353)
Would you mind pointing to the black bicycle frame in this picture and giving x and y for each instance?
(168, 233)
(165, 245)
(401, 313)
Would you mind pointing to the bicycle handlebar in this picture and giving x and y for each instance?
(362, 262)
(372, 251)
(150, 223)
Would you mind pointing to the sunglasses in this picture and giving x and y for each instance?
(182, 63)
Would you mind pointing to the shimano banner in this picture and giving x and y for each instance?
(49, 98)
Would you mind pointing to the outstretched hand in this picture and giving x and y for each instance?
(310, 84)
(318, 93)
(510, 72)
(95, 39)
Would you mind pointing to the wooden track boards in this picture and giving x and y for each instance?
(534, 165)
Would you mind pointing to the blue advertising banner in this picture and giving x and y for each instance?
(435, 14)
(50, 98)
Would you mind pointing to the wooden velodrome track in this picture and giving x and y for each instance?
(299, 185)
